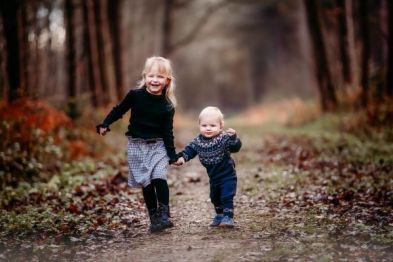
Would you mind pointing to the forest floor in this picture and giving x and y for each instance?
(303, 195)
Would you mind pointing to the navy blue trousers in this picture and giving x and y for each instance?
(222, 194)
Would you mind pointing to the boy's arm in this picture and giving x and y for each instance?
(189, 152)
(234, 144)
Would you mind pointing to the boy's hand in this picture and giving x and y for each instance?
(231, 131)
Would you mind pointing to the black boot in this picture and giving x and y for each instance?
(163, 210)
(155, 221)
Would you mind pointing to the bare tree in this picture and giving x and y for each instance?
(170, 7)
(326, 88)
(378, 46)
(9, 11)
(92, 54)
(365, 54)
(115, 19)
(346, 40)
(389, 74)
(105, 51)
(4, 84)
(71, 57)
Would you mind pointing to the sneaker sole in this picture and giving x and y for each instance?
(226, 226)
(168, 225)
(156, 230)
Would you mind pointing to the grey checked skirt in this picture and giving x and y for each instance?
(146, 161)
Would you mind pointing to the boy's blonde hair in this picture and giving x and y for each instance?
(209, 110)
(165, 68)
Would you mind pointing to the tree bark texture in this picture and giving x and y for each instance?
(389, 75)
(115, 20)
(4, 84)
(95, 76)
(105, 51)
(71, 49)
(9, 13)
(365, 54)
(326, 88)
(346, 40)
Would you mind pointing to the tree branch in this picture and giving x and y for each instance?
(198, 26)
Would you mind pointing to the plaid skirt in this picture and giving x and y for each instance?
(147, 160)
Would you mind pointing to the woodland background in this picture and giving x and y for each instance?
(308, 85)
(231, 53)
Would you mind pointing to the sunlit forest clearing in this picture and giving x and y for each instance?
(306, 84)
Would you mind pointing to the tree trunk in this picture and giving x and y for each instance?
(378, 46)
(4, 84)
(93, 55)
(167, 27)
(10, 12)
(23, 49)
(326, 88)
(49, 80)
(115, 18)
(389, 75)
(71, 53)
(105, 51)
(346, 40)
(365, 54)
(35, 58)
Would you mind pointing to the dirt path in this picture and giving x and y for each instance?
(274, 222)
(191, 239)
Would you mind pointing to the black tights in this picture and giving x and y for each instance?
(157, 190)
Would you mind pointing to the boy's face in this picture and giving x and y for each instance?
(155, 80)
(210, 125)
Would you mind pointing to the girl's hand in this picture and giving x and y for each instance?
(231, 131)
(103, 130)
(180, 161)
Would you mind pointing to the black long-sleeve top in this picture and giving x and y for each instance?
(151, 117)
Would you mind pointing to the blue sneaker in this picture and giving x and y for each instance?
(217, 220)
(227, 222)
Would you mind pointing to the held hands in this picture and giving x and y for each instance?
(180, 161)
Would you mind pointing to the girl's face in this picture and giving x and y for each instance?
(210, 125)
(156, 80)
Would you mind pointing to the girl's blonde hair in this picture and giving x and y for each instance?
(212, 110)
(165, 68)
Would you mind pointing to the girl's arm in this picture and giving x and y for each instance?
(118, 111)
(169, 138)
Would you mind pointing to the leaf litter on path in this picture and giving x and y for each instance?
(295, 201)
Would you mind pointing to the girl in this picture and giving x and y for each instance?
(150, 136)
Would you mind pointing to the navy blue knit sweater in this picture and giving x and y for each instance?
(215, 155)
